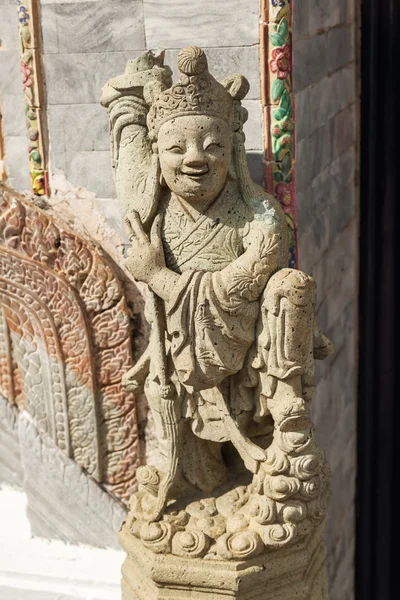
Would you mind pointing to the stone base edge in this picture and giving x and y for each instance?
(296, 573)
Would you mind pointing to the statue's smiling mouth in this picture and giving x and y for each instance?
(196, 173)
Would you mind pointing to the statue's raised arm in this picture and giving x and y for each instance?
(127, 99)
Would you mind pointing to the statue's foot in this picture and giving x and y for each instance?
(289, 413)
(288, 408)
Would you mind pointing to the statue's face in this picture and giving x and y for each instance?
(194, 156)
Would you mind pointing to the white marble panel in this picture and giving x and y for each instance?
(225, 61)
(8, 27)
(10, 78)
(17, 162)
(253, 128)
(64, 1)
(178, 23)
(79, 78)
(93, 26)
(14, 121)
(91, 170)
(78, 127)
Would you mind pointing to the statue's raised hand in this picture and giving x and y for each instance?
(146, 254)
(141, 74)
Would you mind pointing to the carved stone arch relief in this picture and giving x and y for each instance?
(65, 342)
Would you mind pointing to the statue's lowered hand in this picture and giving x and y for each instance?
(146, 255)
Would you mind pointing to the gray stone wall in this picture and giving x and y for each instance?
(327, 204)
(12, 99)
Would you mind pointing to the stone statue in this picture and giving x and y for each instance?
(228, 372)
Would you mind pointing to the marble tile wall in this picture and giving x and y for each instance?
(85, 42)
(325, 74)
(12, 100)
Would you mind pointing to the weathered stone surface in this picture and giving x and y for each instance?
(221, 369)
(297, 572)
(63, 502)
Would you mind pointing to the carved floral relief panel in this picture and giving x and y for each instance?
(65, 342)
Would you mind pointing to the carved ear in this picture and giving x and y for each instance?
(244, 114)
(237, 85)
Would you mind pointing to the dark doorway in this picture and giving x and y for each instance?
(378, 411)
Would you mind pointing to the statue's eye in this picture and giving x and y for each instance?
(213, 146)
(177, 149)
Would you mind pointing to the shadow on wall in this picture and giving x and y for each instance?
(255, 162)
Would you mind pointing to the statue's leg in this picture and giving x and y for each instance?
(288, 311)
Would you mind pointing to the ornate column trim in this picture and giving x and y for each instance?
(2, 153)
(277, 97)
(34, 93)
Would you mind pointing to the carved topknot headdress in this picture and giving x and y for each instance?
(197, 93)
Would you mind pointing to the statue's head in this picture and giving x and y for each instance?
(191, 126)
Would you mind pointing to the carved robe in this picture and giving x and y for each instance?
(211, 317)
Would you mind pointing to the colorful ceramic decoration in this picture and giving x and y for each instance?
(33, 93)
(278, 103)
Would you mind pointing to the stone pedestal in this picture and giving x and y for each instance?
(296, 573)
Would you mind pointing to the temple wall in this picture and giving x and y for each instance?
(325, 75)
